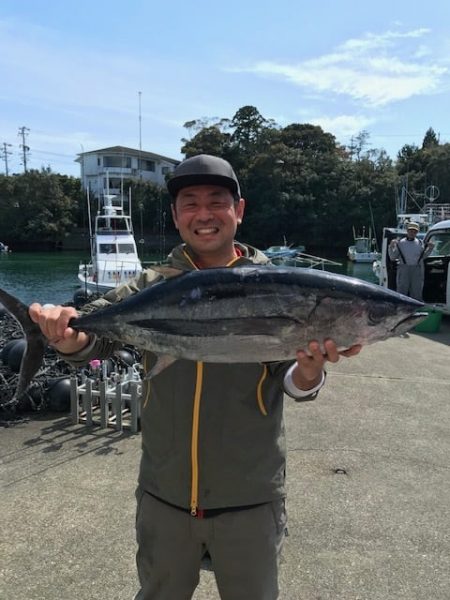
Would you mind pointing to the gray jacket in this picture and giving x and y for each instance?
(409, 252)
(212, 434)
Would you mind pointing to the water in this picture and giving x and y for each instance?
(45, 277)
(51, 277)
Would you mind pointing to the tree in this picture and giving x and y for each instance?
(209, 140)
(250, 130)
(35, 208)
(430, 139)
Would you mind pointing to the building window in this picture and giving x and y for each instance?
(99, 161)
(146, 165)
(121, 162)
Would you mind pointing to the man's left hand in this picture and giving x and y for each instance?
(310, 363)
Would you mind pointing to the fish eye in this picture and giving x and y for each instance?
(376, 314)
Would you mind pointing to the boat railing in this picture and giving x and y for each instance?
(317, 261)
(307, 261)
(437, 212)
(113, 231)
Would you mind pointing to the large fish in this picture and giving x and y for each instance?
(249, 314)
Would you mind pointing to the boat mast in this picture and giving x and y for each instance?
(91, 239)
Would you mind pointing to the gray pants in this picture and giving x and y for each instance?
(244, 547)
(410, 280)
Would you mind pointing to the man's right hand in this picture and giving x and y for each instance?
(393, 243)
(54, 324)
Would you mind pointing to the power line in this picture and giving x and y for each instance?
(52, 153)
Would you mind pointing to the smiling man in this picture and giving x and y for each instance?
(207, 208)
(212, 473)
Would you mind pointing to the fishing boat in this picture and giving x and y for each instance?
(114, 258)
(3, 248)
(364, 248)
(282, 252)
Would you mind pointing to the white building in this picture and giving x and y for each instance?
(117, 164)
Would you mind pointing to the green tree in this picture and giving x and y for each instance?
(430, 140)
(35, 208)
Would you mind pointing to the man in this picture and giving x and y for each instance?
(213, 452)
(410, 254)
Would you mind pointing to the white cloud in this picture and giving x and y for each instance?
(374, 70)
(343, 125)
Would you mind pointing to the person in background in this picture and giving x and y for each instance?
(410, 254)
(212, 473)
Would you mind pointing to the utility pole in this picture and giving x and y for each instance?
(6, 152)
(25, 149)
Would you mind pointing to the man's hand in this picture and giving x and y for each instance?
(310, 364)
(393, 243)
(54, 324)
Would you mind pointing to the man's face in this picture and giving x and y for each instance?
(207, 217)
(411, 233)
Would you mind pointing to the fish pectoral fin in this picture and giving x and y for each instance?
(163, 361)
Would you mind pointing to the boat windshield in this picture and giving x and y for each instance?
(116, 249)
(107, 249)
(126, 249)
(362, 244)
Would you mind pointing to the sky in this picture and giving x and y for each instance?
(85, 75)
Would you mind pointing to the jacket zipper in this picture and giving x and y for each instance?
(194, 442)
(259, 395)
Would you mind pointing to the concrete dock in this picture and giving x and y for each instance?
(368, 491)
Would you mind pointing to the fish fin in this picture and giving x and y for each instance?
(163, 361)
(36, 342)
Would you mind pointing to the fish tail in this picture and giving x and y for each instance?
(36, 341)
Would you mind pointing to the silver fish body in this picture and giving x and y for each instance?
(248, 314)
(253, 314)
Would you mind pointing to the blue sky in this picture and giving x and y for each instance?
(71, 72)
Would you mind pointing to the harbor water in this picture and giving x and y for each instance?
(51, 277)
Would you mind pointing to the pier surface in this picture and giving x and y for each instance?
(368, 491)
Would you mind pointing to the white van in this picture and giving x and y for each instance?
(436, 288)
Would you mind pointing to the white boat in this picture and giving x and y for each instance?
(3, 248)
(364, 249)
(281, 252)
(114, 257)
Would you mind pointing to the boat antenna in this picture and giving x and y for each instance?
(373, 226)
(140, 137)
(89, 220)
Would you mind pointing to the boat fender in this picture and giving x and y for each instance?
(58, 394)
(16, 353)
(6, 350)
(81, 296)
(124, 356)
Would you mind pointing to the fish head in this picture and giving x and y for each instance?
(387, 315)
